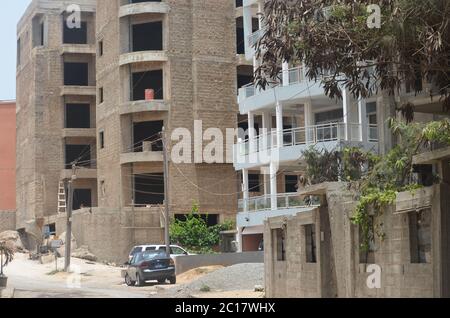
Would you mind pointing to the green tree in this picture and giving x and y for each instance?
(195, 234)
(333, 40)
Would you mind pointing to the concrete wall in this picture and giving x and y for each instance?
(7, 221)
(341, 270)
(186, 263)
(40, 108)
(109, 234)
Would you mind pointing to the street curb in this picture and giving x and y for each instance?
(7, 292)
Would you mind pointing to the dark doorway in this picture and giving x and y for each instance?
(210, 219)
(149, 189)
(76, 74)
(78, 153)
(75, 35)
(78, 116)
(148, 37)
(148, 131)
(82, 198)
(147, 80)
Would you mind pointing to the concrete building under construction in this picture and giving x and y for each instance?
(99, 95)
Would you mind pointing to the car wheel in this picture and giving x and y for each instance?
(129, 281)
(139, 281)
(173, 280)
(162, 280)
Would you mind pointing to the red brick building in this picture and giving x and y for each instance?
(7, 164)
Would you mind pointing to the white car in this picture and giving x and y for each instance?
(175, 250)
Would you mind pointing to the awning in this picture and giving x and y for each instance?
(252, 230)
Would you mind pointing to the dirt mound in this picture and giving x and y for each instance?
(196, 274)
(14, 238)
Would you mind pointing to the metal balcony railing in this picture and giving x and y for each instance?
(307, 136)
(284, 201)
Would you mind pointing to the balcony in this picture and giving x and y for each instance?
(293, 87)
(78, 91)
(82, 173)
(143, 8)
(265, 148)
(144, 56)
(147, 154)
(78, 49)
(255, 211)
(134, 107)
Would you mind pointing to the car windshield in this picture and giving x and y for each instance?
(153, 254)
(136, 250)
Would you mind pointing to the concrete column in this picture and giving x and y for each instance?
(273, 186)
(309, 121)
(245, 189)
(239, 240)
(251, 133)
(279, 114)
(285, 74)
(248, 27)
(260, 11)
(346, 109)
(266, 184)
(267, 129)
(362, 112)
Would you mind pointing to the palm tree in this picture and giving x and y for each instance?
(6, 256)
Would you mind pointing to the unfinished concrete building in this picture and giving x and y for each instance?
(101, 98)
(55, 109)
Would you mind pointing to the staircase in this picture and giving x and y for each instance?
(62, 202)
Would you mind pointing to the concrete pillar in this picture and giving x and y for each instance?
(251, 133)
(266, 184)
(273, 186)
(279, 115)
(364, 127)
(346, 109)
(309, 121)
(260, 13)
(285, 74)
(248, 27)
(239, 240)
(245, 189)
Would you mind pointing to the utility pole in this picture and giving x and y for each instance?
(166, 193)
(68, 247)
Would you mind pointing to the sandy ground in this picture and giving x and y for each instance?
(30, 279)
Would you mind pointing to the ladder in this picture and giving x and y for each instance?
(62, 202)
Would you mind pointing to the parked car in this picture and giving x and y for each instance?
(150, 266)
(175, 250)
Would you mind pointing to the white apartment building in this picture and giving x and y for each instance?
(288, 119)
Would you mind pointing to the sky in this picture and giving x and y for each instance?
(10, 14)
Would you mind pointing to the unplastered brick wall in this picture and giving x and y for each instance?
(7, 221)
(341, 271)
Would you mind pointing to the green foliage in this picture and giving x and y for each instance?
(321, 166)
(393, 173)
(194, 233)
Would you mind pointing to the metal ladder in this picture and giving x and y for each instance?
(62, 202)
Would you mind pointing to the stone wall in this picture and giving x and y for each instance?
(341, 269)
(7, 221)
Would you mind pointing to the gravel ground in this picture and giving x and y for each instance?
(242, 277)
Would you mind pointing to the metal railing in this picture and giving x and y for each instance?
(306, 136)
(284, 201)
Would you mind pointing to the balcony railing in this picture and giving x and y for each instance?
(307, 136)
(284, 201)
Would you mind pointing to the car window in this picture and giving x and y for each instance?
(136, 250)
(137, 258)
(177, 251)
(151, 248)
(162, 248)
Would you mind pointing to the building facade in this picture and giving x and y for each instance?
(99, 95)
(55, 109)
(7, 165)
